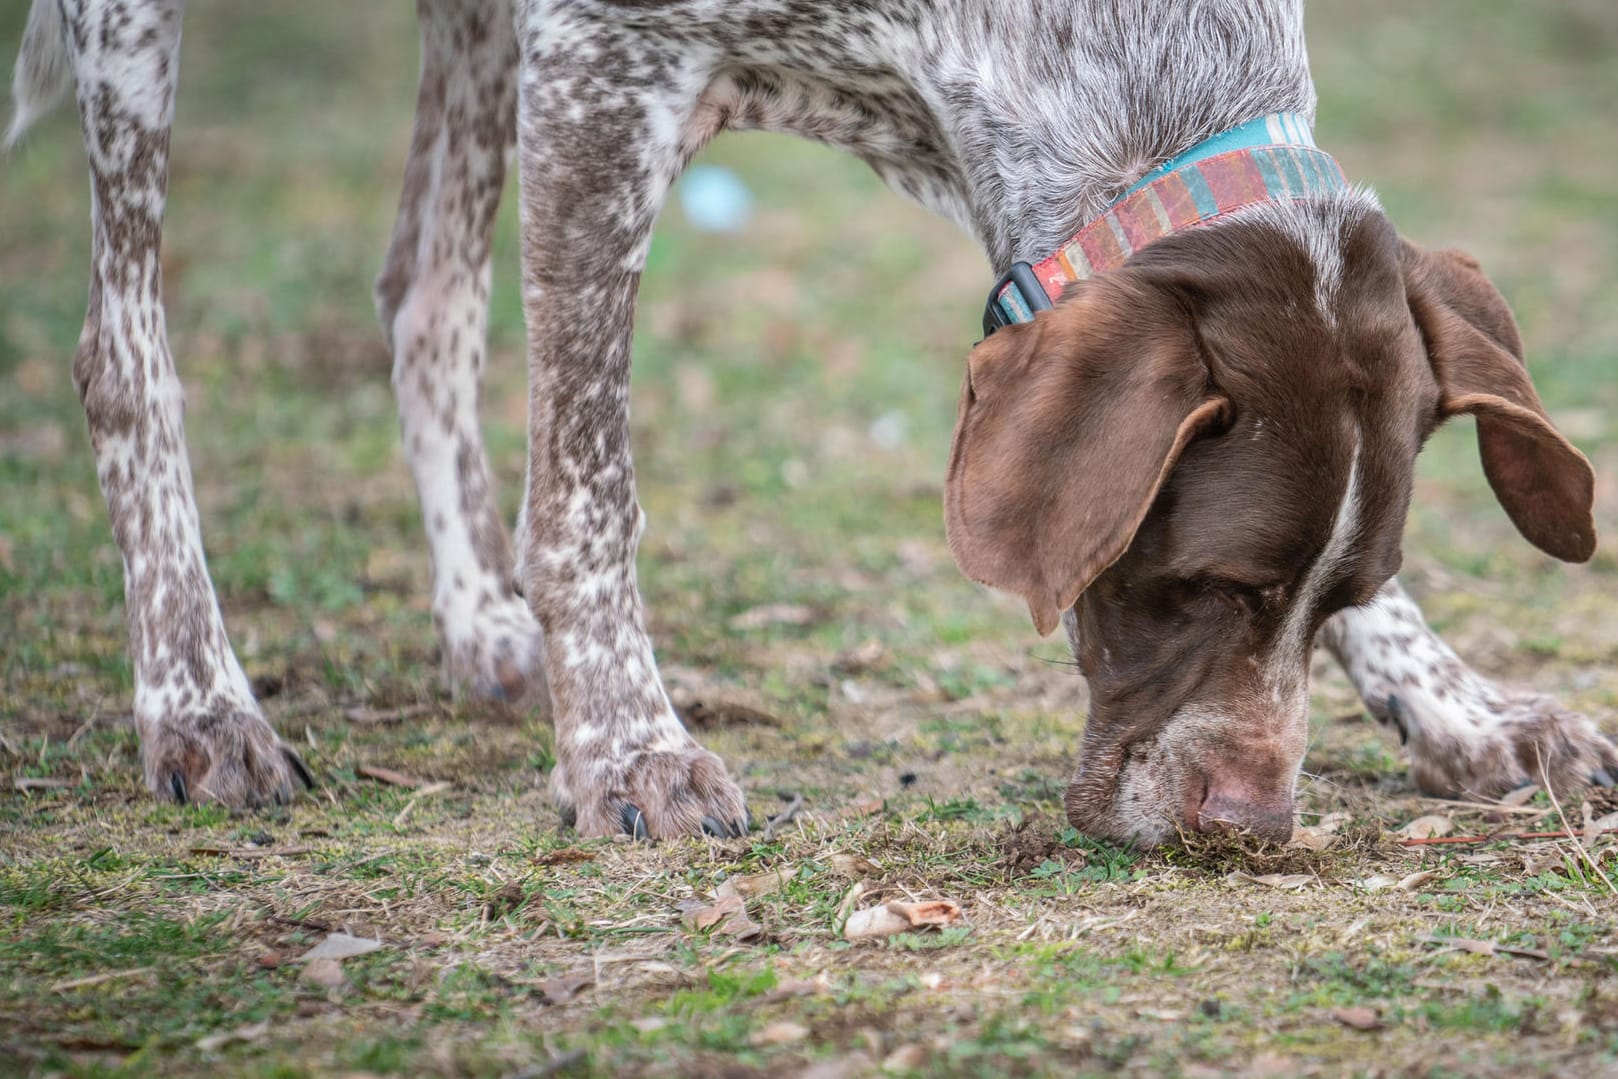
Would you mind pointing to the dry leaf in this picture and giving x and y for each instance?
(387, 775)
(708, 712)
(795, 987)
(726, 915)
(1311, 839)
(565, 856)
(1377, 883)
(1333, 822)
(249, 1033)
(778, 1033)
(900, 917)
(507, 899)
(563, 989)
(1273, 880)
(1521, 796)
(758, 884)
(1360, 1018)
(339, 946)
(1485, 947)
(1428, 827)
(327, 973)
(853, 866)
(1415, 880)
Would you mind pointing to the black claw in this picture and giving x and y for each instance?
(1396, 713)
(744, 825)
(1602, 778)
(177, 785)
(569, 815)
(304, 775)
(634, 821)
(711, 826)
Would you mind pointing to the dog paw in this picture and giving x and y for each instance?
(500, 657)
(1508, 740)
(230, 756)
(654, 794)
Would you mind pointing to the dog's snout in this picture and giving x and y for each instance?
(1237, 809)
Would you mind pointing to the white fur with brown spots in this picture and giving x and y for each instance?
(1019, 122)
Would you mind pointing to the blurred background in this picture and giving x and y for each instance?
(796, 370)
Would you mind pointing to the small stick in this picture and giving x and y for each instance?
(786, 816)
(1438, 839)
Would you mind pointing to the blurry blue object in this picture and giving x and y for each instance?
(715, 199)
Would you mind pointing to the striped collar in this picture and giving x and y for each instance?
(1270, 159)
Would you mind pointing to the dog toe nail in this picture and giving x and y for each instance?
(177, 785)
(634, 821)
(743, 825)
(296, 762)
(711, 826)
(1602, 778)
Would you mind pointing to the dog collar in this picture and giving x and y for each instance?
(1270, 159)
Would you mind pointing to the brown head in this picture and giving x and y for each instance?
(1195, 460)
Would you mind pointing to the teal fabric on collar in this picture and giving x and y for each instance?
(1271, 159)
(1276, 129)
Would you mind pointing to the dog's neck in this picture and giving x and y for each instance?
(1080, 111)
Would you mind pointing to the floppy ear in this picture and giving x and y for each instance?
(1545, 485)
(1068, 426)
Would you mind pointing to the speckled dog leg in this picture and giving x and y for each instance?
(1467, 737)
(596, 162)
(202, 735)
(433, 299)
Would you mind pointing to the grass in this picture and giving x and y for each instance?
(790, 447)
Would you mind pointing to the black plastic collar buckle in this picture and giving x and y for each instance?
(1021, 274)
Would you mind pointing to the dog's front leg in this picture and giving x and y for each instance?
(605, 125)
(202, 736)
(1467, 737)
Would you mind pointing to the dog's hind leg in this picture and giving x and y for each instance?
(433, 299)
(202, 735)
(1467, 737)
(606, 122)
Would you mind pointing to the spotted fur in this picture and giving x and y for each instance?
(1019, 122)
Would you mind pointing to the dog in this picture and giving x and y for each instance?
(1188, 437)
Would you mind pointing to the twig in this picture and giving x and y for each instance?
(1578, 840)
(299, 923)
(1492, 807)
(1430, 841)
(97, 979)
(786, 816)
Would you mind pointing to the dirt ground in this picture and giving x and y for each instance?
(795, 388)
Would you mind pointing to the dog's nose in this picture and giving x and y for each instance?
(1266, 816)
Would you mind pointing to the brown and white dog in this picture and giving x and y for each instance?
(1196, 462)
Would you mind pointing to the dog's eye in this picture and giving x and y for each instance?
(1245, 597)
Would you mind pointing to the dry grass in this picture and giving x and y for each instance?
(925, 729)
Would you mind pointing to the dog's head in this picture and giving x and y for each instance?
(1195, 460)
